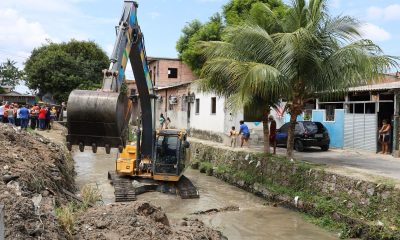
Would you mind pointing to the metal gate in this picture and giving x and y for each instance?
(360, 131)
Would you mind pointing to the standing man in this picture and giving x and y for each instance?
(48, 117)
(244, 130)
(34, 116)
(18, 120)
(1, 112)
(272, 132)
(24, 116)
(42, 118)
(10, 115)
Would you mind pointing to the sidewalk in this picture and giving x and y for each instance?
(364, 165)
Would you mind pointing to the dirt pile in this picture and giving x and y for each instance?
(33, 174)
(138, 220)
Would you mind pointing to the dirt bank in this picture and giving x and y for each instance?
(138, 220)
(34, 172)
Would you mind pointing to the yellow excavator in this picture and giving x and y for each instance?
(100, 119)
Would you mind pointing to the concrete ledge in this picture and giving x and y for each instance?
(361, 208)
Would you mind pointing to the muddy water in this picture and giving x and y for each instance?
(253, 221)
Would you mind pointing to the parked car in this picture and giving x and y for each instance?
(306, 134)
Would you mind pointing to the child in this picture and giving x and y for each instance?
(233, 134)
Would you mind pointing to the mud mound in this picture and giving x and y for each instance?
(33, 173)
(137, 220)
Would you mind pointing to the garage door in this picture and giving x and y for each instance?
(360, 131)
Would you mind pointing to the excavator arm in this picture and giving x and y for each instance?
(100, 118)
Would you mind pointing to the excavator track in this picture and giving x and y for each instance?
(186, 189)
(125, 191)
(123, 188)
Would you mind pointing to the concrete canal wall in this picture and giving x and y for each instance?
(359, 208)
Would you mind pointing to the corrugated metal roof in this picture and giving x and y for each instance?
(376, 87)
(172, 86)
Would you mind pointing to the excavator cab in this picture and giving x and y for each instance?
(171, 158)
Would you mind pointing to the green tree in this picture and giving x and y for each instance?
(237, 11)
(306, 53)
(10, 75)
(234, 12)
(194, 32)
(59, 68)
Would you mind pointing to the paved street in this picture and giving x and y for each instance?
(384, 165)
(369, 166)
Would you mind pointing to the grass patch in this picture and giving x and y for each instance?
(90, 195)
(66, 218)
(329, 224)
(205, 167)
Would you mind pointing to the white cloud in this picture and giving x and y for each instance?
(154, 15)
(375, 33)
(335, 3)
(40, 5)
(19, 32)
(391, 12)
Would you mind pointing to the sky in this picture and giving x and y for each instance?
(26, 24)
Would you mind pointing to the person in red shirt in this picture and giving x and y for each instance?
(42, 118)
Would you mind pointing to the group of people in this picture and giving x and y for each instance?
(40, 117)
(164, 122)
(245, 134)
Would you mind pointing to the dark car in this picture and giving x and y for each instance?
(306, 134)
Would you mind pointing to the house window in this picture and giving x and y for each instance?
(213, 105)
(197, 110)
(172, 73)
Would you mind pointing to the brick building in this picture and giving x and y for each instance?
(171, 79)
(169, 72)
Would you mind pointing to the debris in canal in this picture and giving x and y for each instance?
(138, 220)
(217, 210)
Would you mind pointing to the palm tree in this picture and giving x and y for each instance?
(305, 53)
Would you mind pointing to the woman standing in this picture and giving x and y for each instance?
(384, 136)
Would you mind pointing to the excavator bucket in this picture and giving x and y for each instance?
(98, 119)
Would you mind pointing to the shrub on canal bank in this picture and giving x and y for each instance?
(358, 208)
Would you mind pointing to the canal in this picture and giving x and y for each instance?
(254, 220)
